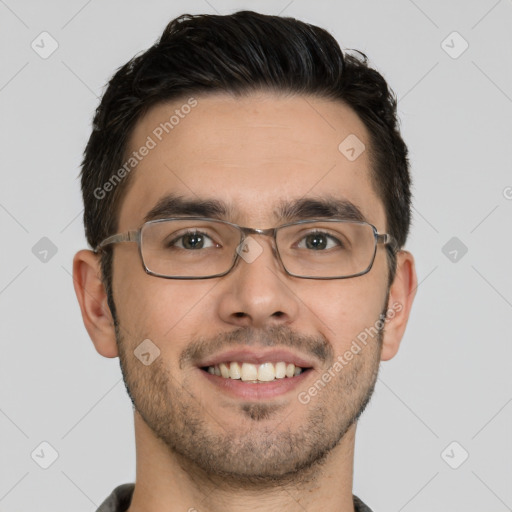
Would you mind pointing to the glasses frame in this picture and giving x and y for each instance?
(136, 236)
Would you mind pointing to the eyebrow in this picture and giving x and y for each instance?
(173, 205)
(319, 207)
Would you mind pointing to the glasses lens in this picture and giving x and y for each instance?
(327, 249)
(188, 248)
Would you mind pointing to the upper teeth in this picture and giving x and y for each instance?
(253, 372)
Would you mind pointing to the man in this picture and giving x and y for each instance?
(248, 352)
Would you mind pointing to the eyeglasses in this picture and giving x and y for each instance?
(203, 248)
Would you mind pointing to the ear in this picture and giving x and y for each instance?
(92, 297)
(401, 296)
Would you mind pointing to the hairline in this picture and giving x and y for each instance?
(125, 185)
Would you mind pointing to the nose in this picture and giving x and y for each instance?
(258, 292)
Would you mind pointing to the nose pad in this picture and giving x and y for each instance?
(249, 249)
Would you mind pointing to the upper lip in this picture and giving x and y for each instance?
(245, 355)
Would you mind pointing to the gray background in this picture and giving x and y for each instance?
(451, 378)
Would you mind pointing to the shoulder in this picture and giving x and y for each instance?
(359, 506)
(119, 500)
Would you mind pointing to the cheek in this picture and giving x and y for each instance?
(163, 310)
(344, 309)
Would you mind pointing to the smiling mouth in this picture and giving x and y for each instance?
(255, 373)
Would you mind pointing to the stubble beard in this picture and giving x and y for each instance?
(269, 451)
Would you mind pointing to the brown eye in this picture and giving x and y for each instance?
(193, 241)
(318, 241)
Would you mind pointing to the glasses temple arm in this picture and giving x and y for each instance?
(129, 236)
(389, 240)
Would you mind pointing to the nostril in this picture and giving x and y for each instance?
(239, 314)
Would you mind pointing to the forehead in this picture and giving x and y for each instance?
(254, 155)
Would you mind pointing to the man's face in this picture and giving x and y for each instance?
(251, 154)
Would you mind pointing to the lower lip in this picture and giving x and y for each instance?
(252, 391)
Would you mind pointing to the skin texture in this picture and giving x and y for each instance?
(196, 446)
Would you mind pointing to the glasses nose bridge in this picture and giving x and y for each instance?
(270, 232)
(255, 231)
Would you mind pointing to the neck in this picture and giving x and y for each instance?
(165, 481)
